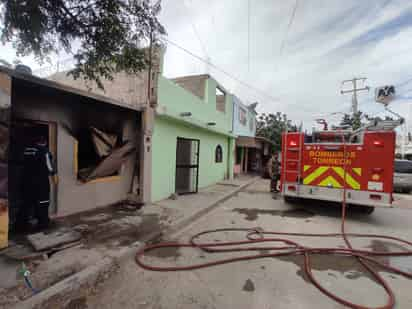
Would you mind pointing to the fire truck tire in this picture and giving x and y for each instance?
(290, 199)
(363, 209)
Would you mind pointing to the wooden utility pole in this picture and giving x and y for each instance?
(354, 91)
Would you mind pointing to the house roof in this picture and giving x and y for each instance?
(266, 140)
(199, 76)
(253, 142)
(59, 86)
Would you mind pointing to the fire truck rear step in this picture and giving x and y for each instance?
(356, 197)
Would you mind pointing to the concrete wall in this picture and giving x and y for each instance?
(128, 89)
(194, 84)
(5, 103)
(164, 140)
(74, 111)
(169, 125)
(173, 100)
(240, 129)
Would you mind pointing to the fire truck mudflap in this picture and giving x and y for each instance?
(323, 165)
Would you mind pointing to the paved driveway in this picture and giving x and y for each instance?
(269, 282)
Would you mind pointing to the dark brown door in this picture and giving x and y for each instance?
(187, 166)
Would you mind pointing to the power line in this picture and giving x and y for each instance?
(257, 90)
(292, 17)
(248, 35)
(354, 91)
(195, 31)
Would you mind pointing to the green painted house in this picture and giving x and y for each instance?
(192, 144)
(184, 132)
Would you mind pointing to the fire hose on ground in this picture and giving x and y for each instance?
(367, 258)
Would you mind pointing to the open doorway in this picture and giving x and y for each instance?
(21, 136)
(187, 165)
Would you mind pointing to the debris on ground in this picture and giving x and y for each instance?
(47, 240)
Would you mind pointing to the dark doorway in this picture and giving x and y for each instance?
(22, 131)
(187, 165)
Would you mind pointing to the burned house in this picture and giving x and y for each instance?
(99, 144)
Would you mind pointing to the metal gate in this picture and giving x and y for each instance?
(187, 165)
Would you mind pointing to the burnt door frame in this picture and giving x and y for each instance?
(188, 166)
(52, 146)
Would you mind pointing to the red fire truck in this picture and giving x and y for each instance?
(323, 165)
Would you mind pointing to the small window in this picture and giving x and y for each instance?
(220, 100)
(252, 124)
(242, 116)
(218, 154)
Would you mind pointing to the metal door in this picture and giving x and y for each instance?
(187, 166)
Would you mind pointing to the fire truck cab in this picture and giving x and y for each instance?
(326, 165)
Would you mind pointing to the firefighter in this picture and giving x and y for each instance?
(37, 168)
(275, 173)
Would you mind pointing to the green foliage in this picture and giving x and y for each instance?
(107, 34)
(271, 127)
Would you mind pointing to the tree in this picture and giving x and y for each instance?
(109, 33)
(5, 63)
(271, 127)
(353, 121)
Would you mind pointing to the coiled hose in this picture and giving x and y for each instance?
(287, 247)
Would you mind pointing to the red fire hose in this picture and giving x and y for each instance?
(286, 247)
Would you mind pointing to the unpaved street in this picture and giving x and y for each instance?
(269, 282)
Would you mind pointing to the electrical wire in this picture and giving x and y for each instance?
(231, 76)
(196, 32)
(248, 35)
(291, 19)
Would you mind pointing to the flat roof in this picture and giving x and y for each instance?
(52, 84)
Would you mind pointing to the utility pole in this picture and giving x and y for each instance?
(354, 91)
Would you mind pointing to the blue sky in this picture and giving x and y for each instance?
(328, 41)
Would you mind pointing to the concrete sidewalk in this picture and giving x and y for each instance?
(110, 235)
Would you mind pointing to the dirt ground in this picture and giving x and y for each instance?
(268, 282)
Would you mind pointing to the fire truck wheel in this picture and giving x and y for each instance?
(363, 209)
(290, 199)
(367, 209)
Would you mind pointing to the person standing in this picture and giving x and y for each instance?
(275, 173)
(38, 167)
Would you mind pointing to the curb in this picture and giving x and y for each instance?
(77, 286)
(185, 222)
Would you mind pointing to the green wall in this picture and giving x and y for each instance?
(169, 124)
(175, 100)
(166, 131)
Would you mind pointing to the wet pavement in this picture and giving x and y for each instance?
(106, 231)
(273, 282)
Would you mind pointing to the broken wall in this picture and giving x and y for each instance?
(72, 112)
(194, 84)
(129, 89)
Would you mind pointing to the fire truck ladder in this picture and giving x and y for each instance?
(298, 177)
(299, 165)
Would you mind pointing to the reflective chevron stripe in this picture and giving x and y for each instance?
(331, 176)
(349, 179)
(317, 173)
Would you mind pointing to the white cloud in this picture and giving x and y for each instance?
(330, 40)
